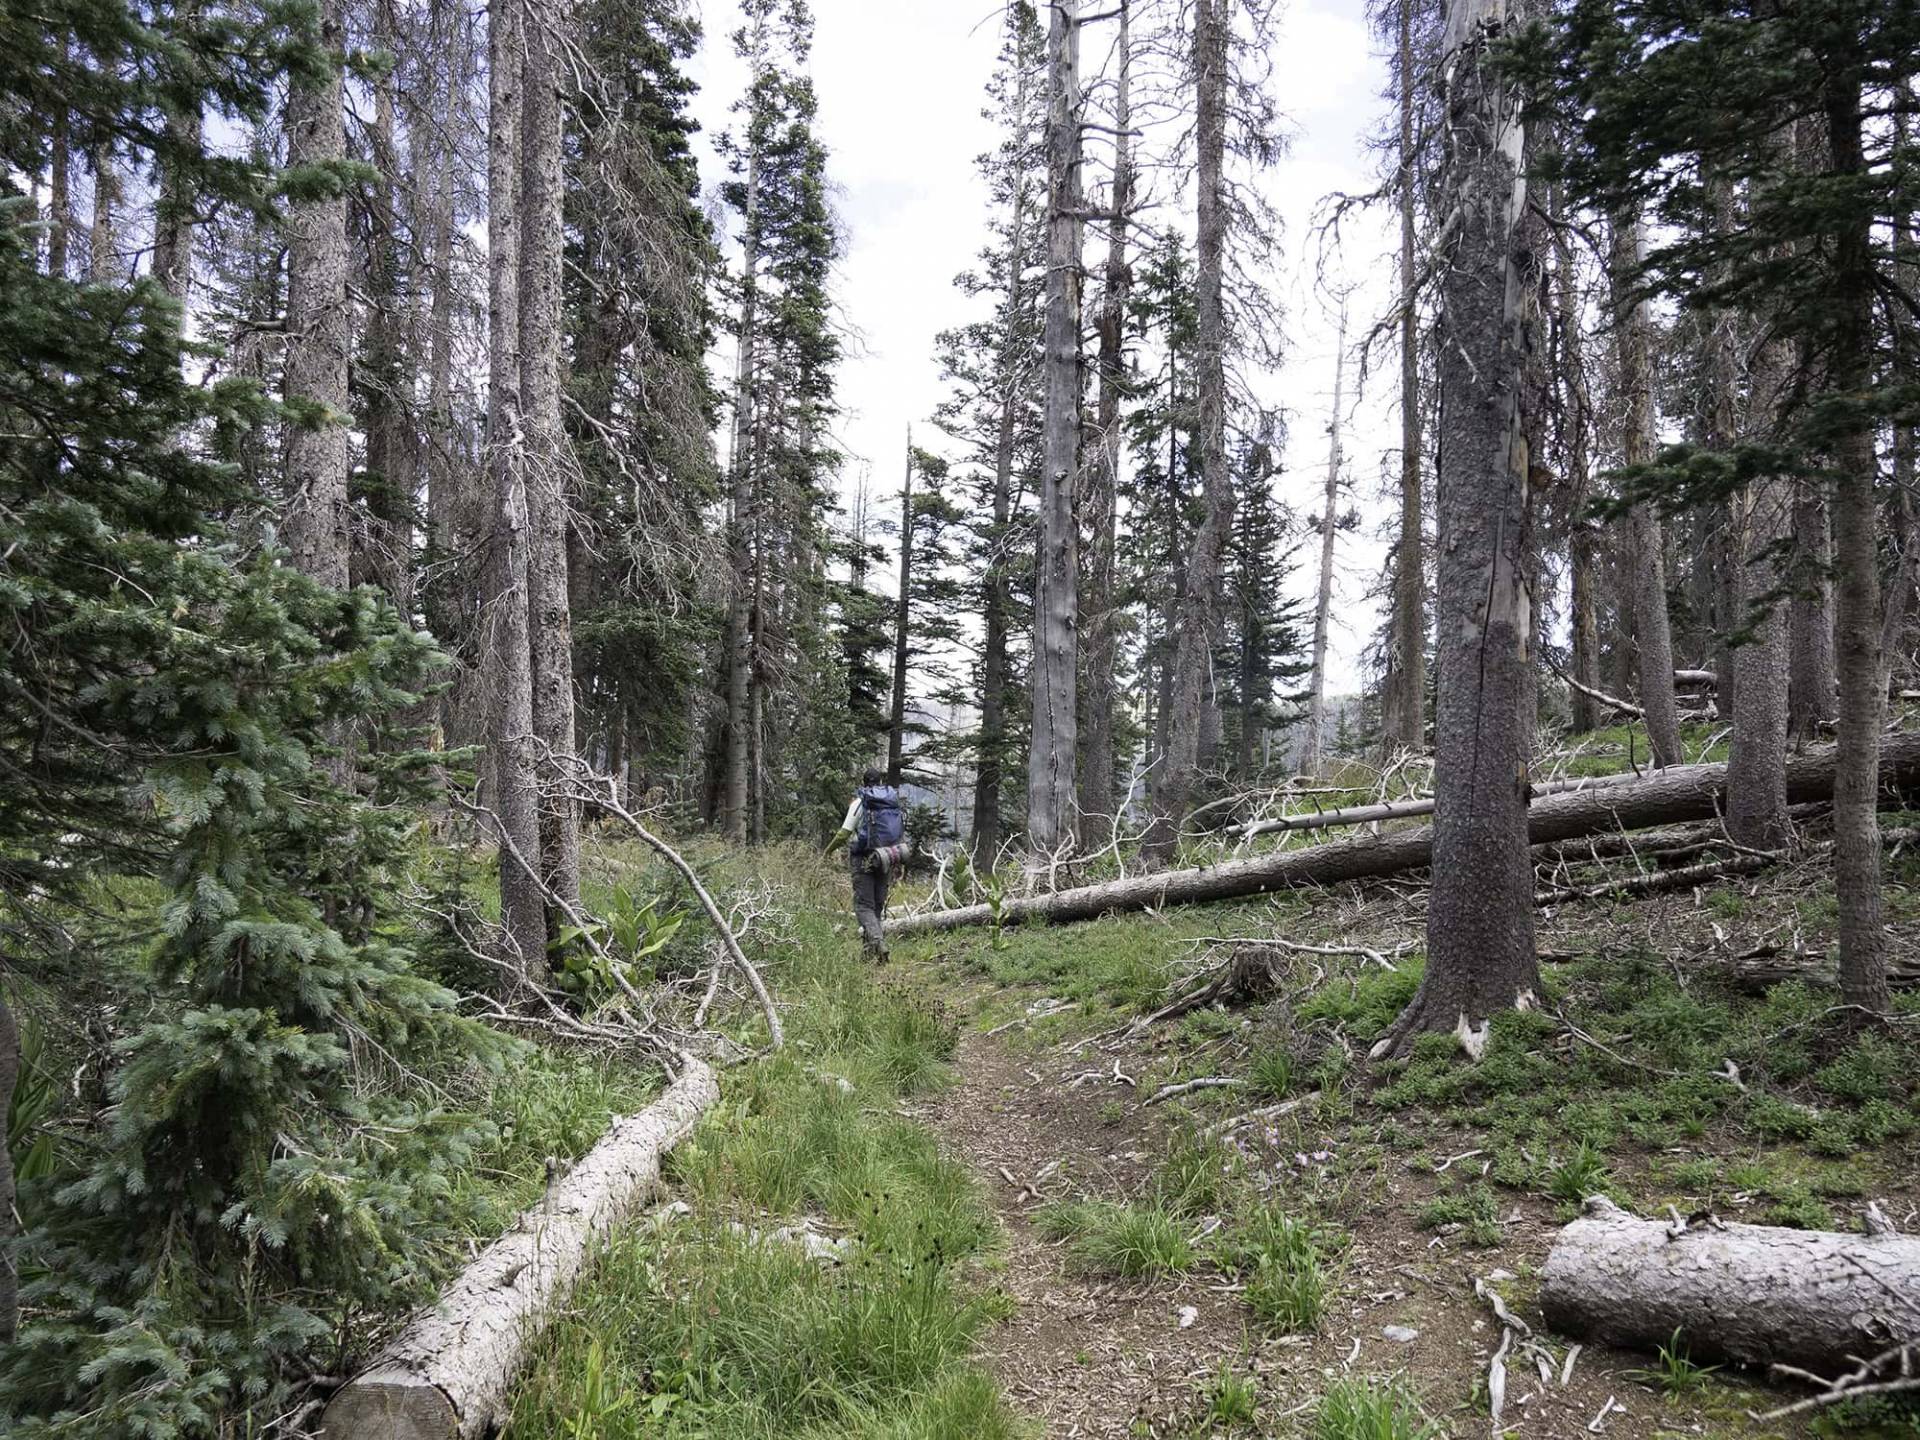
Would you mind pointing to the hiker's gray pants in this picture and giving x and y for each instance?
(869, 902)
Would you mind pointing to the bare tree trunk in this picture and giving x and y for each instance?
(516, 799)
(1055, 671)
(60, 190)
(1811, 664)
(9, 1264)
(1583, 538)
(741, 520)
(387, 542)
(1100, 645)
(103, 244)
(1646, 538)
(173, 207)
(318, 519)
(1480, 952)
(1199, 604)
(548, 454)
(1310, 760)
(1856, 833)
(996, 599)
(1757, 764)
(1403, 717)
(903, 609)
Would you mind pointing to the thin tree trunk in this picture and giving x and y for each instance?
(1811, 663)
(9, 1263)
(903, 610)
(60, 190)
(1199, 604)
(1583, 538)
(1310, 757)
(1403, 720)
(1480, 951)
(548, 457)
(1646, 538)
(1054, 742)
(996, 597)
(1099, 634)
(103, 244)
(317, 524)
(1856, 833)
(741, 520)
(173, 207)
(390, 470)
(516, 799)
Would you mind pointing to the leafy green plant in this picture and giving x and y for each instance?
(34, 1097)
(1472, 1208)
(601, 1400)
(1280, 1259)
(628, 932)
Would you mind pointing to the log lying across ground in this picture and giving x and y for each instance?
(1415, 807)
(1755, 1294)
(449, 1374)
(1692, 792)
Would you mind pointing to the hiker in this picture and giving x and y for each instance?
(877, 832)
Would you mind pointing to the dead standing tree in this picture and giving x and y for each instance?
(1480, 945)
(1055, 737)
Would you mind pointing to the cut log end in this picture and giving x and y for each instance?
(391, 1406)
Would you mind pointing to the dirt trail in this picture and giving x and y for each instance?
(1085, 1355)
(1090, 1356)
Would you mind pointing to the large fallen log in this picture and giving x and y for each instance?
(1415, 807)
(1667, 797)
(1754, 1294)
(449, 1374)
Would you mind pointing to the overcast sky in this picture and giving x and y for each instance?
(900, 88)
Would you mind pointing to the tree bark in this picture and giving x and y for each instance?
(996, 599)
(173, 206)
(9, 1262)
(1199, 604)
(740, 529)
(1480, 953)
(103, 243)
(1752, 1294)
(1811, 672)
(1672, 796)
(548, 454)
(318, 519)
(1100, 647)
(1863, 695)
(1583, 537)
(1646, 536)
(902, 613)
(60, 226)
(1403, 717)
(1323, 603)
(449, 1375)
(1756, 772)
(509, 656)
(1055, 671)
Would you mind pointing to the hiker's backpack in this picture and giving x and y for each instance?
(881, 821)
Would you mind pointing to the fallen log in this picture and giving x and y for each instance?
(449, 1374)
(1753, 1294)
(1666, 797)
(1757, 972)
(1416, 806)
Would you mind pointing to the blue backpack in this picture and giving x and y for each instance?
(881, 821)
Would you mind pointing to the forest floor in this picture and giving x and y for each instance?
(1023, 1243)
